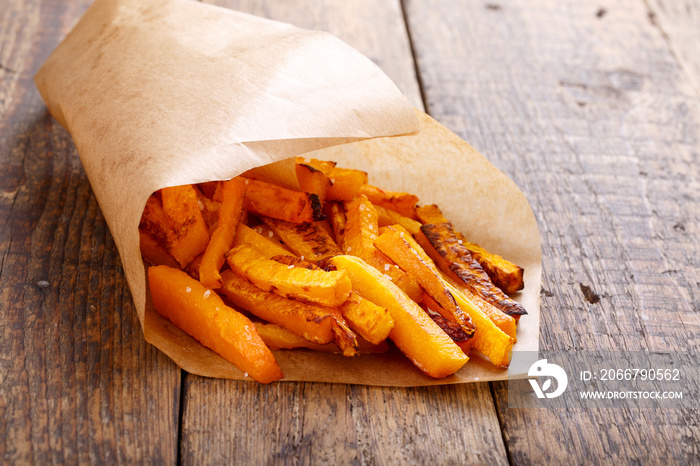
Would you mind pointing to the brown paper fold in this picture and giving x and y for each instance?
(167, 92)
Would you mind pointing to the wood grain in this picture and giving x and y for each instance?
(306, 423)
(592, 117)
(678, 22)
(311, 423)
(77, 381)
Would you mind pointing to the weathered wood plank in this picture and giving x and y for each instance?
(585, 107)
(327, 423)
(678, 22)
(226, 421)
(77, 381)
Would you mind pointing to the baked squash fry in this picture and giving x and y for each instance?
(202, 314)
(284, 204)
(309, 241)
(311, 321)
(453, 258)
(361, 229)
(277, 338)
(262, 244)
(490, 340)
(317, 286)
(398, 244)
(403, 203)
(370, 321)
(389, 217)
(504, 274)
(312, 180)
(336, 216)
(430, 214)
(414, 332)
(154, 252)
(346, 184)
(190, 231)
(232, 193)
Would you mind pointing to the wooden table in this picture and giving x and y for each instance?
(592, 108)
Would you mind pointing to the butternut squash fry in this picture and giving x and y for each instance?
(191, 234)
(277, 338)
(154, 252)
(346, 183)
(284, 204)
(336, 216)
(504, 274)
(208, 188)
(490, 340)
(317, 286)
(398, 244)
(232, 193)
(308, 320)
(202, 314)
(264, 245)
(312, 180)
(414, 332)
(294, 261)
(430, 214)
(442, 245)
(403, 203)
(451, 328)
(372, 322)
(307, 240)
(156, 224)
(361, 229)
(389, 217)
(324, 166)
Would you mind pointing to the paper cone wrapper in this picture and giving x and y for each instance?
(163, 93)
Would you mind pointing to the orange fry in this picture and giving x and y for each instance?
(346, 184)
(367, 319)
(361, 229)
(202, 314)
(398, 244)
(318, 286)
(504, 274)
(191, 234)
(312, 180)
(403, 203)
(414, 332)
(232, 194)
(311, 321)
(281, 203)
(442, 245)
(307, 240)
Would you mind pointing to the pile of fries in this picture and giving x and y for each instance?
(246, 266)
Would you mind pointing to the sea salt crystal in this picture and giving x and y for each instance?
(386, 267)
(290, 266)
(332, 180)
(270, 234)
(302, 257)
(207, 293)
(188, 289)
(459, 241)
(387, 277)
(245, 374)
(349, 249)
(200, 204)
(247, 181)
